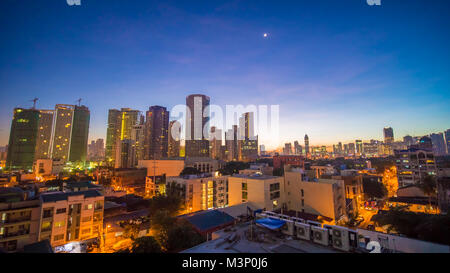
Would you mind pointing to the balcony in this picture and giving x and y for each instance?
(10, 235)
(15, 220)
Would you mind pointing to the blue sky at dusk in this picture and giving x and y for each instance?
(340, 70)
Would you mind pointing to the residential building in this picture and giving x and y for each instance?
(156, 133)
(44, 136)
(265, 191)
(412, 164)
(22, 139)
(174, 139)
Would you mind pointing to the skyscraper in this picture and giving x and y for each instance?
(120, 126)
(388, 135)
(447, 140)
(298, 150)
(156, 133)
(96, 150)
(174, 139)
(22, 139)
(248, 142)
(359, 147)
(197, 117)
(408, 140)
(70, 132)
(215, 143)
(43, 142)
(306, 145)
(438, 144)
(231, 143)
(138, 142)
(287, 149)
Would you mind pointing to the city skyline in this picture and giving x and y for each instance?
(334, 82)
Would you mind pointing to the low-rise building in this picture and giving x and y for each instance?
(266, 192)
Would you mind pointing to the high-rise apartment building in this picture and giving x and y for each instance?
(287, 150)
(215, 143)
(120, 127)
(174, 139)
(156, 133)
(197, 117)
(359, 147)
(388, 135)
(298, 149)
(231, 143)
(447, 140)
(438, 143)
(96, 150)
(22, 139)
(138, 142)
(306, 145)
(44, 137)
(70, 133)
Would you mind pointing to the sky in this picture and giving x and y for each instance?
(339, 70)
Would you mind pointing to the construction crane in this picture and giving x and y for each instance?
(34, 102)
(79, 101)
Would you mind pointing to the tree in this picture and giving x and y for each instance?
(146, 244)
(374, 189)
(234, 167)
(189, 171)
(428, 185)
(181, 237)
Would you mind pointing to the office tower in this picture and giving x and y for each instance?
(215, 143)
(248, 142)
(306, 145)
(438, 143)
(359, 147)
(197, 117)
(408, 140)
(388, 135)
(351, 149)
(174, 139)
(287, 149)
(447, 140)
(44, 134)
(339, 148)
(298, 149)
(156, 133)
(120, 126)
(231, 143)
(346, 149)
(22, 139)
(70, 132)
(138, 142)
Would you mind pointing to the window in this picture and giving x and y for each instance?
(48, 212)
(46, 225)
(274, 187)
(86, 219)
(85, 231)
(59, 211)
(274, 195)
(303, 202)
(88, 206)
(244, 186)
(58, 237)
(244, 195)
(303, 193)
(59, 224)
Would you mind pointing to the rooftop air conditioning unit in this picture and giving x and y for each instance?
(320, 235)
(288, 228)
(303, 231)
(299, 220)
(341, 238)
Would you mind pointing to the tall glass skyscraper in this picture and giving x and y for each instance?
(156, 133)
(197, 144)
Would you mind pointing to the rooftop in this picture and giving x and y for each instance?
(208, 220)
(255, 176)
(59, 196)
(235, 240)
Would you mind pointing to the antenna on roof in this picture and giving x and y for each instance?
(79, 101)
(34, 102)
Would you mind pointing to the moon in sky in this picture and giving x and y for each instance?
(265, 35)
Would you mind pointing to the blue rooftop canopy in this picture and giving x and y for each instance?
(271, 223)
